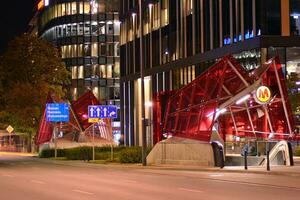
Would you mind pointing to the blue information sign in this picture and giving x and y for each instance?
(57, 112)
(102, 112)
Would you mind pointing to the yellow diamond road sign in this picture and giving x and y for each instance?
(10, 129)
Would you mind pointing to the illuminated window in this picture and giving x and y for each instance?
(74, 72)
(102, 71)
(74, 50)
(74, 8)
(59, 10)
(63, 9)
(165, 12)
(96, 91)
(63, 51)
(80, 50)
(80, 7)
(80, 72)
(95, 49)
(109, 71)
(87, 7)
(68, 8)
(116, 27)
(117, 69)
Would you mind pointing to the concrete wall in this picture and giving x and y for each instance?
(180, 151)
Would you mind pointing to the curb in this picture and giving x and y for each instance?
(173, 168)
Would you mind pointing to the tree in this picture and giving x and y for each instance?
(29, 69)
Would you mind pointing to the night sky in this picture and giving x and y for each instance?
(14, 18)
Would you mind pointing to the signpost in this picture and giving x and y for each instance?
(57, 112)
(96, 112)
(10, 129)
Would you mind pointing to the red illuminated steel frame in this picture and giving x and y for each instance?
(78, 120)
(211, 101)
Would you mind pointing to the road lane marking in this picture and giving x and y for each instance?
(190, 190)
(8, 175)
(83, 192)
(37, 182)
(216, 175)
(129, 181)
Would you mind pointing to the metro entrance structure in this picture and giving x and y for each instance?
(222, 103)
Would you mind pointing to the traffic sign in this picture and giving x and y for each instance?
(93, 120)
(101, 112)
(10, 129)
(57, 112)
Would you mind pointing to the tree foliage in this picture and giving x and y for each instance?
(29, 70)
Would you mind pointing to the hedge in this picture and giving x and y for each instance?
(297, 151)
(48, 153)
(120, 154)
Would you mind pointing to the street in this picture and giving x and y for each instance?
(29, 178)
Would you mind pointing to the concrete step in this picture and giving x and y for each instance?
(238, 160)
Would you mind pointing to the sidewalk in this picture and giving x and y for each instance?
(275, 170)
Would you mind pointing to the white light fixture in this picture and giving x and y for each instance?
(219, 112)
(46, 3)
(148, 104)
(243, 99)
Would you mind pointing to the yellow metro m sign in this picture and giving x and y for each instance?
(263, 95)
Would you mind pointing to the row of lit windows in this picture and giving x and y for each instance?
(155, 17)
(96, 71)
(94, 49)
(87, 29)
(72, 8)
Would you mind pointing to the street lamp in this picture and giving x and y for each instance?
(144, 149)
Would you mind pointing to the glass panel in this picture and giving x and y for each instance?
(63, 8)
(81, 7)
(102, 71)
(80, 72)
(74, 72)
(109, 71)
(294, 16)
(74, 8)
(95, 49)
(87, 7)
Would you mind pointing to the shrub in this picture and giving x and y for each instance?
(120, 154)
(131, 155)
(48, 153)
(297, 151)
(79, 153)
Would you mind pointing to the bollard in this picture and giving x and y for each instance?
(245, 159)
(268, 161)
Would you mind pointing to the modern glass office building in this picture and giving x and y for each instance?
(87, 32)
(182, 38)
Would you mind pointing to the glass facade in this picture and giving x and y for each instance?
(87, 33)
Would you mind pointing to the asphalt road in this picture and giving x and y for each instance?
(26, 178)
